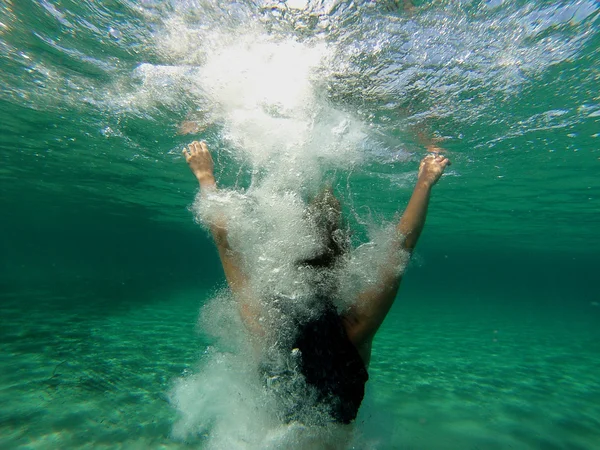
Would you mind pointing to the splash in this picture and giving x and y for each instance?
(263, 94)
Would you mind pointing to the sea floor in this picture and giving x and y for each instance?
(93, 375)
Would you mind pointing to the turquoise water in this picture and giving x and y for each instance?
(493, 341)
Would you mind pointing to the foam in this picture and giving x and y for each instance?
(264, 98)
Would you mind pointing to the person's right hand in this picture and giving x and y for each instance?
(201, 163)
(431, 168)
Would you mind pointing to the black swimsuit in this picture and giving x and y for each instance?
(333, 372)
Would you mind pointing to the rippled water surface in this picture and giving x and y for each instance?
(94, 92)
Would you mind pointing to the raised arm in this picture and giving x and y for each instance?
(413, 220)
(201, 163)
(366, 316)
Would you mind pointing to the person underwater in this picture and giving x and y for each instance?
(329, 349)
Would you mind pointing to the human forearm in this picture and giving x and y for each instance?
(413, 220)
(201, 164)
(207, 183)
(218, 225)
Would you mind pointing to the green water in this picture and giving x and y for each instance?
(494, 340)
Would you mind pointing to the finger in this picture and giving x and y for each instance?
(186, 155)
(196, 145)
(205, 148)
